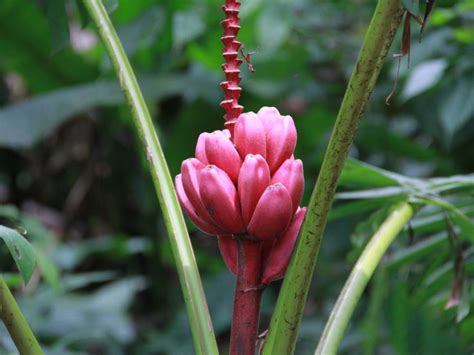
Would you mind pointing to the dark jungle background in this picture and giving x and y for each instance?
(73, 177)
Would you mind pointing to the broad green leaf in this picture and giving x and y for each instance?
(48, 269)
(345, 209)
(465, 225)
(464, 35)
(399, 315)
(26, 49)
(111, 5)
(413, 6)
(457, 108)
(408, 255)
(429, 224)
(248, 7)
(357, 174)
(12, 279)
(381, 137)
(464, 306)
(423, 77)
(10, 212)
(58, 23)
(142, 31)
(273, 27)
(432, 219)
(446, 268)
(371, 193)
(127, 11)
(80, 280)
(438, 274)
(366, 229)
(374, 317)
(83, 15)
(21, 251)
(24, 124)
(186, 27)
(440, 185)
(459, 218)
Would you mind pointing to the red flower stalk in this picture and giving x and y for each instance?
(246, 190)
(232, 63)
(244, 186)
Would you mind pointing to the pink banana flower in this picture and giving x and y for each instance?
(248, 184)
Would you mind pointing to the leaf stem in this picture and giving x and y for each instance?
(16, 323)
(360, 276)
(191, 285)
(290, 305)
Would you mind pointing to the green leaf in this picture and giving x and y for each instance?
(353, 208)
(423, 77)
(382, 138)
(21, 251)
(362, 175)
(58, 23)
(273, 28)
(464, 306)
(408, 255)
(25, 45)
(457, 108)
(111, 5)
(24, 124)
(366, 229)
(142, 31)
(459, 218)
(186, 27)
(375, 312)
(412, 6)
(371, 193)
(9, 212)
(83, 15)
(48, 269)
(457, 182)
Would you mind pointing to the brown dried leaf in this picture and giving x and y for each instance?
(428, 11)
(404, 52)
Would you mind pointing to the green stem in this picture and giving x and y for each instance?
(359, 277)
(16, 323)
(191, 285)
(289, 309)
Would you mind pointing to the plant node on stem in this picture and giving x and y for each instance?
(248, 293)
(232, 63)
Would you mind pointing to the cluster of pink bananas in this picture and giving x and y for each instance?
(247, 185)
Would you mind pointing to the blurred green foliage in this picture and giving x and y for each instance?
(71, 173)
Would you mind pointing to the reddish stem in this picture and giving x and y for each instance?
(232, 63)
(248, 292)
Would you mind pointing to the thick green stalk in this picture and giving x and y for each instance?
(191, 285)
(289, 310)
(359, 277)
(16, 323)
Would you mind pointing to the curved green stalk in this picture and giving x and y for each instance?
(191, 285)
(359, 277)
(289, 309)
(16, 323)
